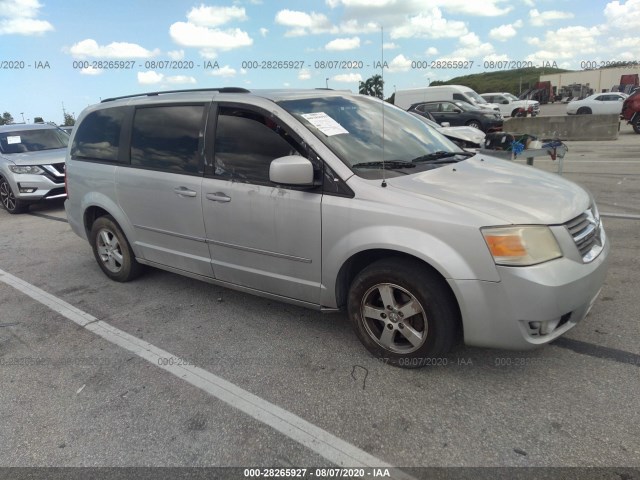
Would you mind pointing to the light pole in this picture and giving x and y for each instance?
(327, 82)
(22, 113)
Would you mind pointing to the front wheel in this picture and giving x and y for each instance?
(9, 201)
(403, 313)
(584, 111)
(636, 126)
(112, 250)
(474, 124)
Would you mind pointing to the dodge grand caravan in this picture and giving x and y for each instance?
(318, 199)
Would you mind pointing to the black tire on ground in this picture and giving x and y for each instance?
(9, 202)
(636, 126)
(584, 111)
(474, 123)
(112, 250)
(403, 313)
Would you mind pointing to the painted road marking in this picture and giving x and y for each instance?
(323, 443)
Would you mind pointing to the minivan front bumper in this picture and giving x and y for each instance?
(530, 306)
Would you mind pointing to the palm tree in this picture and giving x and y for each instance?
(373, 86)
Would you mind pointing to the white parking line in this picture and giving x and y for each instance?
(314, 438)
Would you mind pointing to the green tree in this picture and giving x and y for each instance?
(6, 119)
(38, 120)
(69, 120)
(372, 86)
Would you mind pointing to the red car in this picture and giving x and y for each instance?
(631, 110)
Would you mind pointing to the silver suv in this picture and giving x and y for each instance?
(31, 165)
(331, 200)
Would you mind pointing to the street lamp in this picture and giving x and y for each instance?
(22, 113)
(327, 82)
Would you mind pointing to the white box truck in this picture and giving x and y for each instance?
(405, 98)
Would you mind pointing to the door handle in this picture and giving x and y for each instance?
(184, 192)
(218, 197)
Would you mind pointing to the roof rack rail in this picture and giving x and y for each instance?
(151, 94)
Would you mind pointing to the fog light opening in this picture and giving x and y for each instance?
(22, 189)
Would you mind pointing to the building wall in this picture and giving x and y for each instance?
(599, 80)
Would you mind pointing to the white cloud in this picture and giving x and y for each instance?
(190, 35)
(347, 78)
(431, 51)
(624, 16)
(91, 71)
(264, 31)
(354, 26)
(564, 43)
(494, 57)
(224, 72)
(213, 16)
(180, 79)
(399, 64)
(18, 17)
(485, 8)
(503, 33)
(302, 23)
(340, 44)
(89, 48)
(430, 24)
(304, 74)
(149, 78)
(176, 54)
(539, 19)
(390, 46)
(470, 46)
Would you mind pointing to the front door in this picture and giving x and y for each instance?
(260, 235)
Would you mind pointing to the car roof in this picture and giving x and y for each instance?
(14, 127)
(207, 94)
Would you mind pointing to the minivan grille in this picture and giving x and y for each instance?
(586, 231)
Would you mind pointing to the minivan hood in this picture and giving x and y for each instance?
(515, 194)
(42, 157)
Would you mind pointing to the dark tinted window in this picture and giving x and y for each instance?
(246, 143)
(168, 138)
(98, 136)
(459, 96)
(430, 107)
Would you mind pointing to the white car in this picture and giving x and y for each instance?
(510, 105)
(598, 104)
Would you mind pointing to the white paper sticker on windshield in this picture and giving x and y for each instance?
(324, 123)
(14, 139)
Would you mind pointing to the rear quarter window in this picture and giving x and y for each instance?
(98, 135)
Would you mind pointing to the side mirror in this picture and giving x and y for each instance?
(505, 102)
(291, 170)
(457, 110)
(445, 124)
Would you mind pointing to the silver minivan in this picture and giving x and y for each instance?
(333, 201)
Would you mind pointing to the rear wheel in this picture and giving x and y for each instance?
(10, 203)
(584, 111)
(403, 313)
(636, 126)
(112, 250)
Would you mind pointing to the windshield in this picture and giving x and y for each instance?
(511, 97)
(467, 107)
(476, 98)
(351, 126)
(20, 141)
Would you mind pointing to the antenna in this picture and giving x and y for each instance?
(384, 170)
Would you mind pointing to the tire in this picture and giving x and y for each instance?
(112, 250)
(419, 323)
(636, 126)
(584, 111)
(474, 124)
(518, 113)
(9, 202)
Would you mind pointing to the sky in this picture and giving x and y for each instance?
(68, 54)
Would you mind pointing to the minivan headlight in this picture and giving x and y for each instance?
(26, 169)
(521, 246)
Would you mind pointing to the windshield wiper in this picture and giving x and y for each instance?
(387, 164)
(440, 155)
